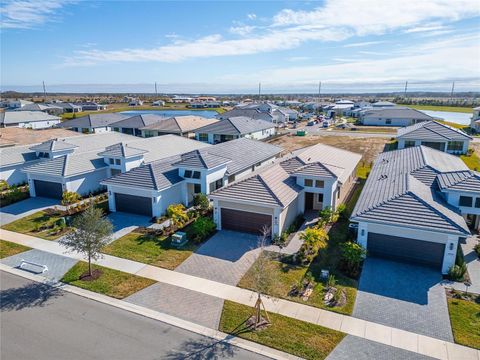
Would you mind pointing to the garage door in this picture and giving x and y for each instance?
(244, 221)
(48, 189)
(133, 204)
(405, 249)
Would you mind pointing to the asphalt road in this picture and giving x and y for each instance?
(39, 322)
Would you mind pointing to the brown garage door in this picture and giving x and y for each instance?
(406, 250)
(245, 221)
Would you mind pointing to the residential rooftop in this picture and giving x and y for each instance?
(238, 125)
(398, 112)
(432, 131)
(15, 117)
(93, 120)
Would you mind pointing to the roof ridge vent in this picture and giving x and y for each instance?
(383, 177)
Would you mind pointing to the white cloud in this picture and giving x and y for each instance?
(366, 43)
(298, 58)
(27, 14)
(426, 28)
(252, 16)
(242, 30)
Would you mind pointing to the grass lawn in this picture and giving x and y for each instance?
(465, 320)
(286, 275)
(8, 248)
(32, 224)
(149, 249)
(293, 336)
(113, 283)
(461, 109)
(472, 161)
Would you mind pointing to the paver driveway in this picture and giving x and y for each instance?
(404, 296)
(225, 258)
(24, 208)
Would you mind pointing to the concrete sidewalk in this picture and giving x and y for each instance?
(421, 344)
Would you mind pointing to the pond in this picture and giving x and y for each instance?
(454, 117)
(168, 113)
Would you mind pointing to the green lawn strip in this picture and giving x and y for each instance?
(32, 224)
(114, 283)
(472, 161)
(460, 109)
(465, 320)
(8, 248)
(148, 249)
(293, 336)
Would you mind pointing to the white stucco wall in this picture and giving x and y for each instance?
(328, 191)
(288, 215)
(368, 120)
(39, 124)
(401, 145)
(453, 198)
(13, 175)
(85, 184)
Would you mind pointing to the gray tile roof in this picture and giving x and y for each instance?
(459, 180)
(202, 159)
(250, 113)
(400, 191)
(397, 112)
(93, 120)
(156, 175)
(15, 117)
(121, 150)
(138, 121)
(315, 169)
(431, 131)
(236, 126)
(276, 185)
(53, 145)
(179, 124)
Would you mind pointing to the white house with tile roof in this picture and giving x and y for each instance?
(435, 135)
(414, 205)
(309, 179)
(28, 119)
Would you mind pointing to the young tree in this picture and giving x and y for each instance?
(92, 232)
(262, 279)
(201, 201)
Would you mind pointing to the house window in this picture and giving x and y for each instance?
(203, 137)
(466, 201)
(231, 178)
(319, 183)
(455, 146)
(197, 188)
(117, 161)
(111, 161)
(320, 198)
(477, 202)
(388, 121)
(308, 182)
(196, 175)
(216, 185)
(409, 143)
(188, 173)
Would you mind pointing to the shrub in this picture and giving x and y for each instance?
(201, 229)
(331, 282)
(3, 185)
(457, 272)
(177, 215)
(201, 201)
(342, 211)
(477, 249)
(314, 239)
(70, 197)
(325, 216)
(280, 240)
(352, 257)
(296, 224)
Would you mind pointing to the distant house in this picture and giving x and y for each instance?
(135, 102)
(158, 103)
(394, 116)
(435, 135)
(177, 125)
(251, 113)
(16, 104)
(181, 99)
(47, 108)
(92, 106)
(69, 107)
(28, 119)
(93, 123)
(132, 125)
(235, 128)
(383, 104)
(287, 114)
(475, 122)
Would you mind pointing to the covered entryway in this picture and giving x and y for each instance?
(434, 145)
(406, 250)
(244, 221)
(133, 204)
(48, 189)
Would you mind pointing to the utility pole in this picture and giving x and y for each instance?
(259, 91)
(405, 92)
(319, 90)
(453, 89)
(156, 93)
(44, 92)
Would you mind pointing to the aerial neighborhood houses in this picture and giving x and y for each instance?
(262, 111)
(28, 119)
(475, 123)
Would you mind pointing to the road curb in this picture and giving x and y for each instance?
(156, 315)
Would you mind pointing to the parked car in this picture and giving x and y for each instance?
(325, 124)
(311, 123)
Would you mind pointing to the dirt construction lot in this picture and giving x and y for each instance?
(18, 136)
(369, 147)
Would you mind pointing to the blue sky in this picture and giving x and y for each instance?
(230, 46)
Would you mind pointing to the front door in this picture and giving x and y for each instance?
(308, 201)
